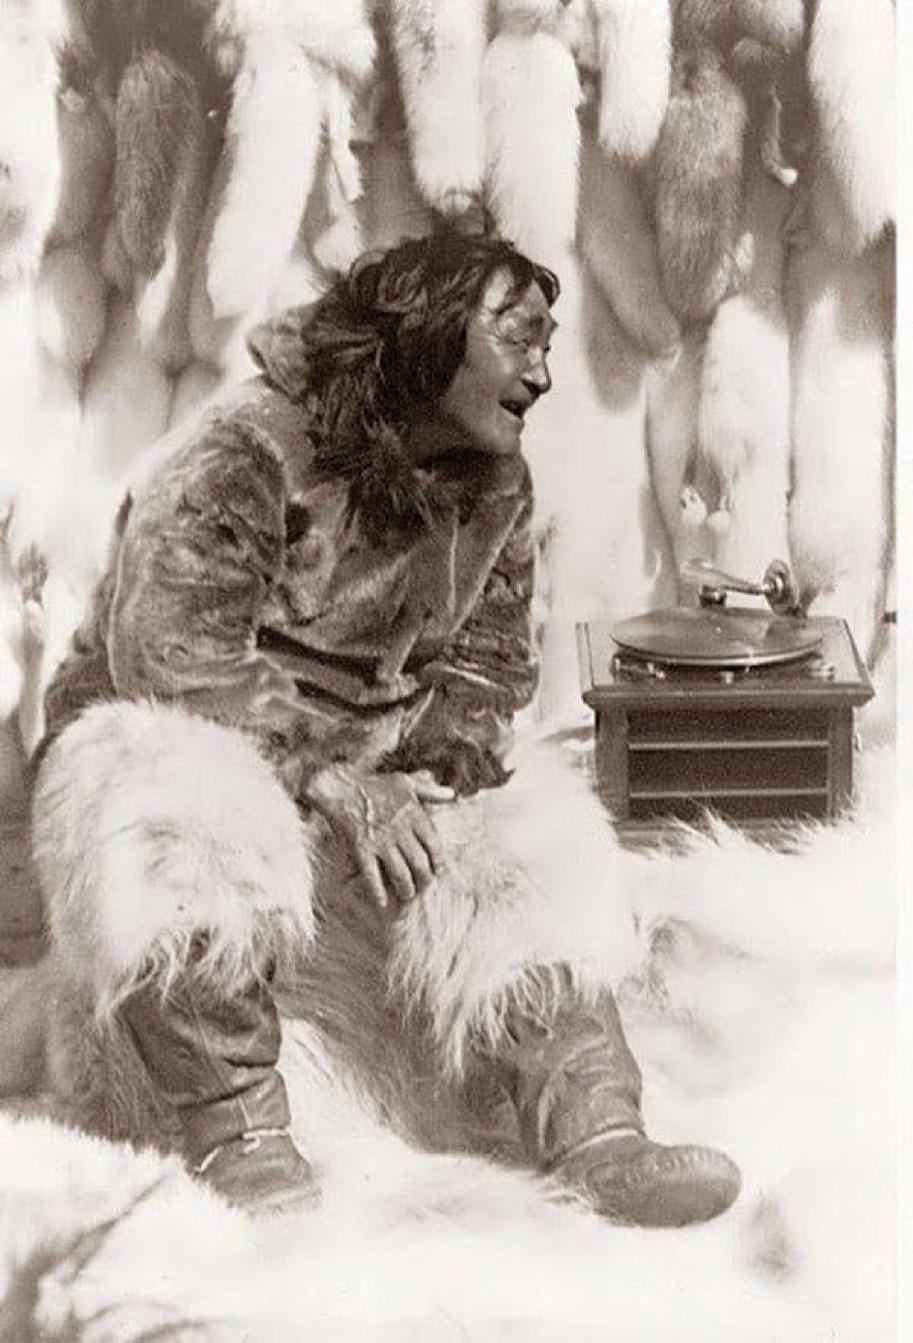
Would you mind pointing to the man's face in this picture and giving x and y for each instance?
(504, 370)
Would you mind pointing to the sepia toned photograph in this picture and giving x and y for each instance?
(451, 801)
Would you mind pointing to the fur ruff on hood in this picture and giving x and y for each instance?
(386, 488)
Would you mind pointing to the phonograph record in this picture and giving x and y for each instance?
(743, 711)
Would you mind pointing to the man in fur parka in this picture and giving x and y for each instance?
(326, 581)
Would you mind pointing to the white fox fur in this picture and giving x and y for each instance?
(634, 38)
(743, 421)
(30, 32)
(534, 880)
(338, 239)
(151, 824)
(617, 240)
(285, 61)
(839, 512)
(571, 22)
(125, 407)
(272, 138)
(851, 74)
(70, 320)
(673, 398)
(530, 95)
(337, 36)
(70, 297)
(439, 46)
(19, 385)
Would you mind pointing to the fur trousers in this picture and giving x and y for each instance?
(152, 826)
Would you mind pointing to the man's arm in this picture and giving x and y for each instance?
(200, 553)
(201, 550)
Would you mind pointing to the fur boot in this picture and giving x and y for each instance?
(851, 62)
(577, 1089)
(172, 865)
(839, 511)
(743, 419)
(634, 41)
(438, 45)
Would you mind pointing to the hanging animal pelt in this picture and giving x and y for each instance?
(760, 41)
(530, 95)
(438, 47)
(616, 238)
(162, 299)
(673, 397)
(743, 419)
(839, 511)
(851, 58)
(125, 408)
(634, 46)
(86, 143)
(31, 32)
(280, 58)
(732, 62)
(151, 54)
(698, 169)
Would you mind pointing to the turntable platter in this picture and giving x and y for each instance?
(728, 637)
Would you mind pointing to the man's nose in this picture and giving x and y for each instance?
(538, 377)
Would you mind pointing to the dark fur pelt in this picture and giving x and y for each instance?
(156, 101)
(153, 57)
(698, 181)
(736, 67)
(760, 41)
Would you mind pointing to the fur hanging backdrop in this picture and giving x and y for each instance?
(724, 386)
(713, 179)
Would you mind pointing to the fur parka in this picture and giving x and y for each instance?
(248, 586)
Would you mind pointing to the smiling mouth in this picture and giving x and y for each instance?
(516, 409)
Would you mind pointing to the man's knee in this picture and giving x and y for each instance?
(152, 826)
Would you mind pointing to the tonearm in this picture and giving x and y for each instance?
(777, 587)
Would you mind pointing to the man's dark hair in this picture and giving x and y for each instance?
(386, 341)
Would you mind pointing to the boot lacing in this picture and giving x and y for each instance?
(251, 1140)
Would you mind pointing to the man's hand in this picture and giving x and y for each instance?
(384, 820)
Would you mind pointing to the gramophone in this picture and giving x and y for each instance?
(743, 712)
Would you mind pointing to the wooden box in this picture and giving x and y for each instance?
(759, 747)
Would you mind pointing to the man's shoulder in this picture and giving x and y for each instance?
(251, 423)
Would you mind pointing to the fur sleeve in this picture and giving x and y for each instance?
(485, 675)
(201, 550)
